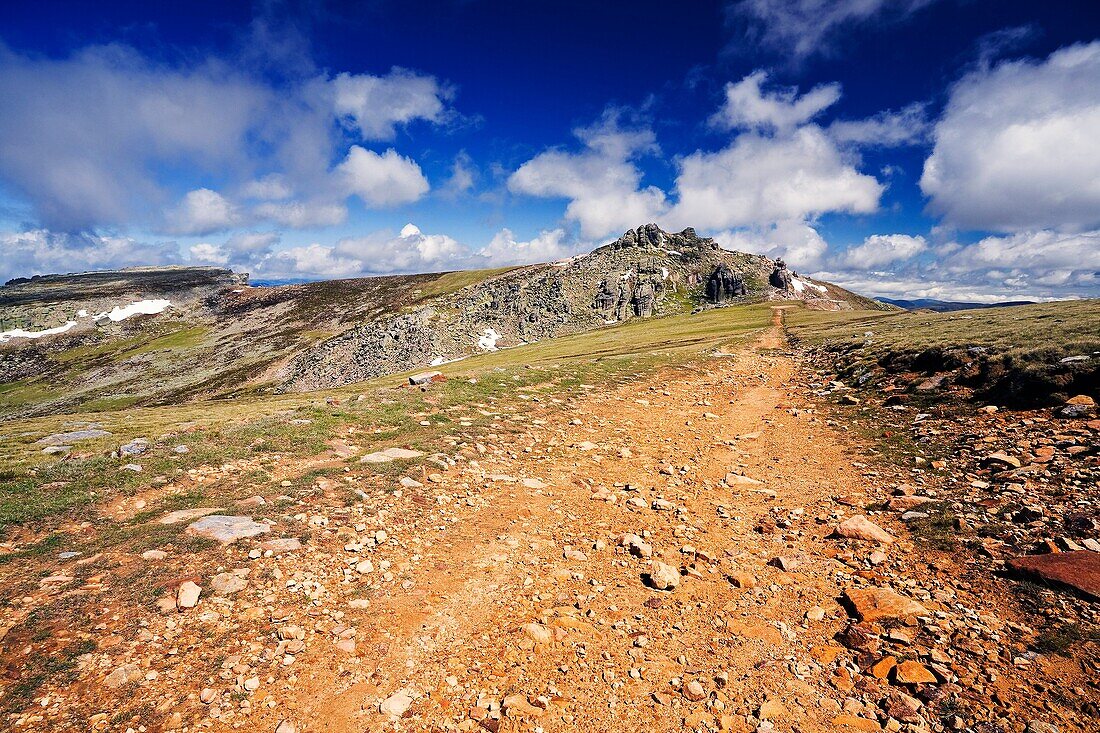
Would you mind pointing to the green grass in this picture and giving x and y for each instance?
(1011, 355)
(450, 282)
(25, 392)
(1067, 327)
(35, 487)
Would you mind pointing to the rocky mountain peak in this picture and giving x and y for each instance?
(651, 236)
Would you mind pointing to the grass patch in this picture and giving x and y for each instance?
(1009, 355)
(58, 668)
(1062, 639)
(937, 530)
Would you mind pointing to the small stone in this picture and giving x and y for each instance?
(538, 633)
(694, 691)
(786, 564)
(881, 670)
(637, 546)
(123, 675)
(742, 579)
(1040, 726)
(396, 704)
(226, 584)
(663, 576)
(861, 528)
(188, 594)
(135, 447)
(517, 706)
(424, 378)
(1001, 460)
(771, 710)
(207, 696)
(154, 555)
(279, 546)
(226, 529)
(285, 726)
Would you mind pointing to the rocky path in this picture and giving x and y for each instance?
(698, 548)
(662, 558)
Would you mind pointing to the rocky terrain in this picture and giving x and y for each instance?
(731, 538)
(152, 336)
(645, 273)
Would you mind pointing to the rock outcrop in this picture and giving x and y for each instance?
(781, 277)
(724, 284)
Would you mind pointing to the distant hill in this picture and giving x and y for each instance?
(945, 306)
(200, 332)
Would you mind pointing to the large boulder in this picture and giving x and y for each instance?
(725, 284)
(1079, 570)
(781, 277)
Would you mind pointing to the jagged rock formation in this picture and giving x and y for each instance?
(781, 277)
(724, 284)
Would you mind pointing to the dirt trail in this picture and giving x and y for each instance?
(620, 653)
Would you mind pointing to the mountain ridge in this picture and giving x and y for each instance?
(220, 337)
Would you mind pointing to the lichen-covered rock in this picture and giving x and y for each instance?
(725, 284)
(781, 277)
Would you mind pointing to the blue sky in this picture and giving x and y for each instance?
(935, 148)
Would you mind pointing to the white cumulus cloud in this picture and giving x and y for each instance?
(375, 105)
(760, 180)
(884, 249)
(1017, 147)
(601, 182)
(39, 251)
(383, 179)
(548, 246)
(803, 28)
(907, 126)
(748, 105)
(203, 211)
(798, 243)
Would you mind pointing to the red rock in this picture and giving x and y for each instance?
(913, 673)
(872, 604)
(1079, 570)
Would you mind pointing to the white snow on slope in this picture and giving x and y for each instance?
(142, 307)
(801, 285)
(488, 340)
(19, 333)
(118, 313)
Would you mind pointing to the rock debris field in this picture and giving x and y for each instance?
(707, 547)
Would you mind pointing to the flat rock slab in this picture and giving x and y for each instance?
(225, 529)
(186, 515)
(874, 604)
(390, 454)
(279, 546)
(1079, 570)
(424, 377)
(63, 438)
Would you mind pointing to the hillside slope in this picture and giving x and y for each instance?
(79, 342)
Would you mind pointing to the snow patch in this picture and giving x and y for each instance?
(488, 340)
(82, 313)
(19, 333)
(664, 273)
(441, 360)
(801, 285)
(142, 307)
